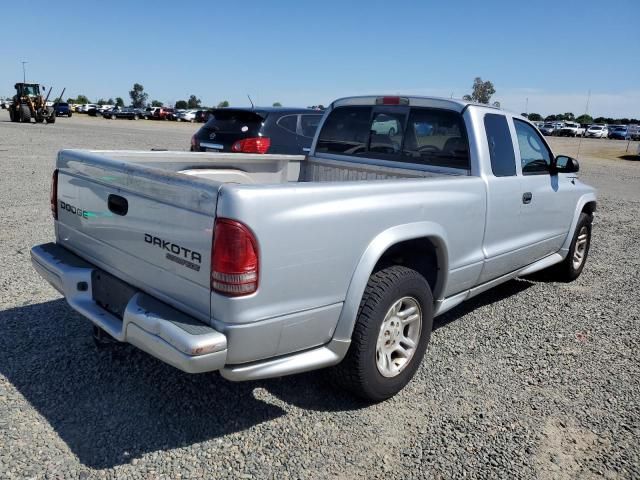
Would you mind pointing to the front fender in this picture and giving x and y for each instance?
(376, 248)
(582, 201)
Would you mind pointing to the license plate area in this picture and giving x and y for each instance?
(110, 292)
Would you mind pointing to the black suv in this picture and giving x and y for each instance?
(257, 130)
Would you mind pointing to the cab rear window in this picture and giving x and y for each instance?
(416, 135)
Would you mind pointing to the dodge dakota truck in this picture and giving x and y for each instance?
(260, 266)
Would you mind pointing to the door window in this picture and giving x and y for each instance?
(534, 153)
(503, 158)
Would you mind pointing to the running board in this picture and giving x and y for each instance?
(448, 303)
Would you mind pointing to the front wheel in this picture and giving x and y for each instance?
(390, 336)
(572, 266)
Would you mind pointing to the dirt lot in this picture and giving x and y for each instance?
(531, 380)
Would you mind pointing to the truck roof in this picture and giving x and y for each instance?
(415, 100)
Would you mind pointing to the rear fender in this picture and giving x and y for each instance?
(378, 246)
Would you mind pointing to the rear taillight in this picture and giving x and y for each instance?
(392, 101)
(234, 259)
(195, 145)
(252, 145)
(53, 196)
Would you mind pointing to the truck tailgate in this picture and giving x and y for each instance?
(157, 239)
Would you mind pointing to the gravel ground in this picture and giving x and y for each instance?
(531, 380)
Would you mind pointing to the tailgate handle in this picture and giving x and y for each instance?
(118, 205)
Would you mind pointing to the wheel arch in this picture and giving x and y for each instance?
(586, 203)
(407, 243)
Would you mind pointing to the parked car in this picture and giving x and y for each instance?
(268, 265)
(149, 112)
(547, 129)
(596, 131)
(634, 132)
(163, 113)
(63, 108)
(129, 113)
(259, 130)
(570, 129)
(86, 107)
(202, 116)
(186, 116)
(619, 133)
(173, 116)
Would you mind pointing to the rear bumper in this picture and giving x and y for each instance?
(153, 326)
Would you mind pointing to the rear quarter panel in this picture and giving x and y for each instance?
(312, 236)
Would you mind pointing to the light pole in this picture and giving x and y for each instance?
(24, 74)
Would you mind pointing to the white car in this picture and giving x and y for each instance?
(86, 107)
(597, 131)
(186, 116)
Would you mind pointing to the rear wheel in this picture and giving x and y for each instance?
(25, 114)
(390, 336)
(51, 118)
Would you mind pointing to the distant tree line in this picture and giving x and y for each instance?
(584, 118)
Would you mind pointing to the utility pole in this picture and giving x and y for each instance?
(24, 74)
(526, 108)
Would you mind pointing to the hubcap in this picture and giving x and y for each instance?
(581, 248)
(399, 336)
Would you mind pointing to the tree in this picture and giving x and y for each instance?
(181, 104)
(119, 102)
(157, 103)
(568, 116)
(110, 101)
(82, 99)
(584, 118)
(101, 101)
(550, 118)
(223, 104)
(194, 102)
(277, 104)
(525, 115)
(535, 117)
(138, 97)
(482, 92)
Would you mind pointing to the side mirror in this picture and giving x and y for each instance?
(564, 164)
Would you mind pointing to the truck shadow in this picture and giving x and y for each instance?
(116, 403)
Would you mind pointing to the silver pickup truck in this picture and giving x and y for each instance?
(266, 265)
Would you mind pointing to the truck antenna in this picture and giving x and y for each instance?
(251, 101)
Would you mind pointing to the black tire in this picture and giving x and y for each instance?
(25, 114)
(12, 115)
(69, 115)
(567, 271)
(358, 371)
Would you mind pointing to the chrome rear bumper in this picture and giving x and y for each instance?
(154, 327)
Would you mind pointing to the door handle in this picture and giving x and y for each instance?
(526, 197)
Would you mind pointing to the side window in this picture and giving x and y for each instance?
(346, 131)
(436, 137)
(288, 122)
(309, 125)
(534, 154)
(503, 158)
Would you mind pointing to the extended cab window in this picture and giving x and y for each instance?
(534, 153)
(436, 137)
(503, 158)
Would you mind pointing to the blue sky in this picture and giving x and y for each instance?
(304, 53)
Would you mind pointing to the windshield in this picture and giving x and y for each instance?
(595, 128)
(30, 90)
